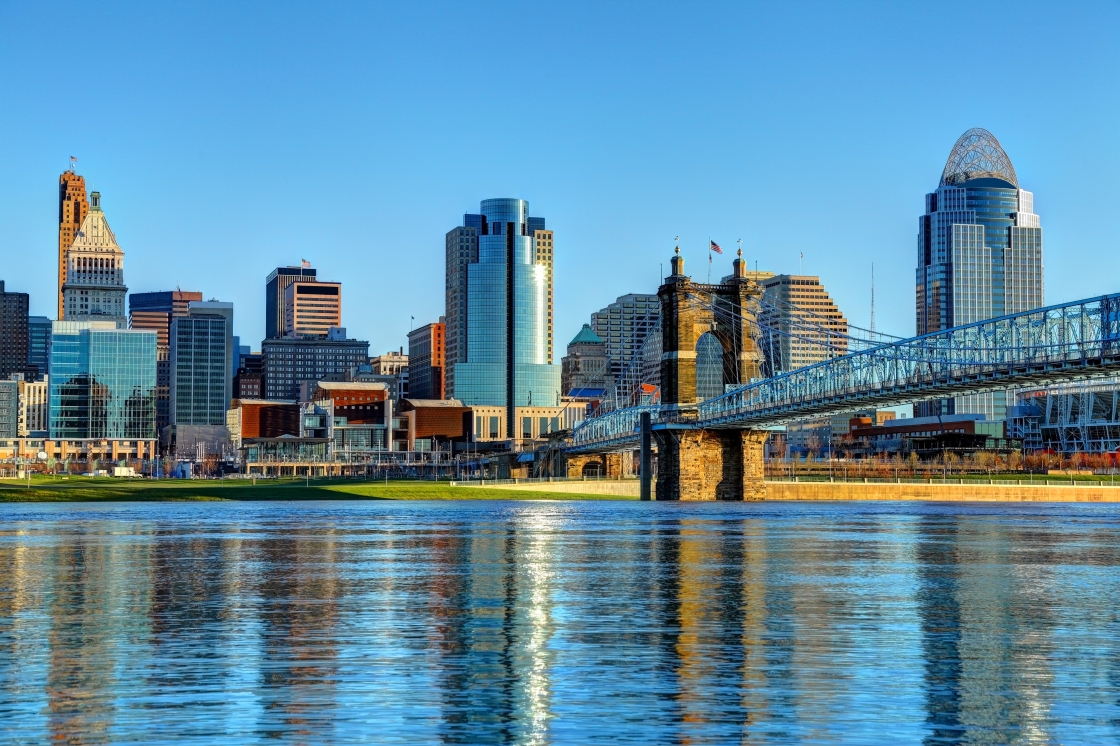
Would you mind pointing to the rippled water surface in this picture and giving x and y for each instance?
(503, 622)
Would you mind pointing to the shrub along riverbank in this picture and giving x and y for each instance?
(107, 489)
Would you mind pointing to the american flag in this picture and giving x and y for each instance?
(715, 246)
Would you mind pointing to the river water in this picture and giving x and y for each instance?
(559, 622)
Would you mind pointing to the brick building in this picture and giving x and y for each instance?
(432, 422)
(256, 418)
(426, 356)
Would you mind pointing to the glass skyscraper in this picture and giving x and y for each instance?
(624, 326)
(979, 253)
(499, 311)
(39, 343)
(102, 382)
(201, 348)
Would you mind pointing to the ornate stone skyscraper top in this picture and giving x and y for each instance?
(95, 289)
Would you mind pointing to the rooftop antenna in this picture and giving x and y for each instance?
(872, 301)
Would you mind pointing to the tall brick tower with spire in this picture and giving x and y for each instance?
(73, 206)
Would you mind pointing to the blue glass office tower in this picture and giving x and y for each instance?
(201, 348)
(499, 309)
(102, 381)
(979, 253)
(39, 343)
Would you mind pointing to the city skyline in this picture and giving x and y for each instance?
(559, 372)
(728, 144)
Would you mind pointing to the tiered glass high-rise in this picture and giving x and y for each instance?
(494, 301)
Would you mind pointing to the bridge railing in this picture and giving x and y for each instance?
(1078, 339)
(619, 427)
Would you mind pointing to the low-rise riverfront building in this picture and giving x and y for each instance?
(257, 418)
(59, 453)
(1075, 417)
(34, 408)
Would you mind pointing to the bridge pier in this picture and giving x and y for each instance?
(696, 464)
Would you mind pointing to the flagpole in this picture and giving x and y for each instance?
(709, 260)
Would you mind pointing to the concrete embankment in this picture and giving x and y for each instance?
(621, 488)
(998, 492)
(967, 492)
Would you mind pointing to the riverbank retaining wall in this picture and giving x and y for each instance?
(776, 491)
(967, 492)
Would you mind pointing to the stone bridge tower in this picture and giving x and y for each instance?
(695, 463)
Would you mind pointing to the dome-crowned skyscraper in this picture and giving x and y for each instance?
(979, 252)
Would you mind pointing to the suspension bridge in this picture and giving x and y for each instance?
(709, 442)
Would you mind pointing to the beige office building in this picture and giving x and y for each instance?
(801, 324)
(542, 244)
(34, 408)
(312, 308)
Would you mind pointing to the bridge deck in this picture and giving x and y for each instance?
(1070, 341)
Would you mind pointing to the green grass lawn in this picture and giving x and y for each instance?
(78, 489)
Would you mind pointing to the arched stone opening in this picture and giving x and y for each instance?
(709, 366)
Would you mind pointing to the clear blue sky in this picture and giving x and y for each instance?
(230, 138)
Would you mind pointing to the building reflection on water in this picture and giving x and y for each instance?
(491, 602)
(84, 637)
(542, 623)
(298, 616)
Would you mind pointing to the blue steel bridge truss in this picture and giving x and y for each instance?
(1077, 340)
